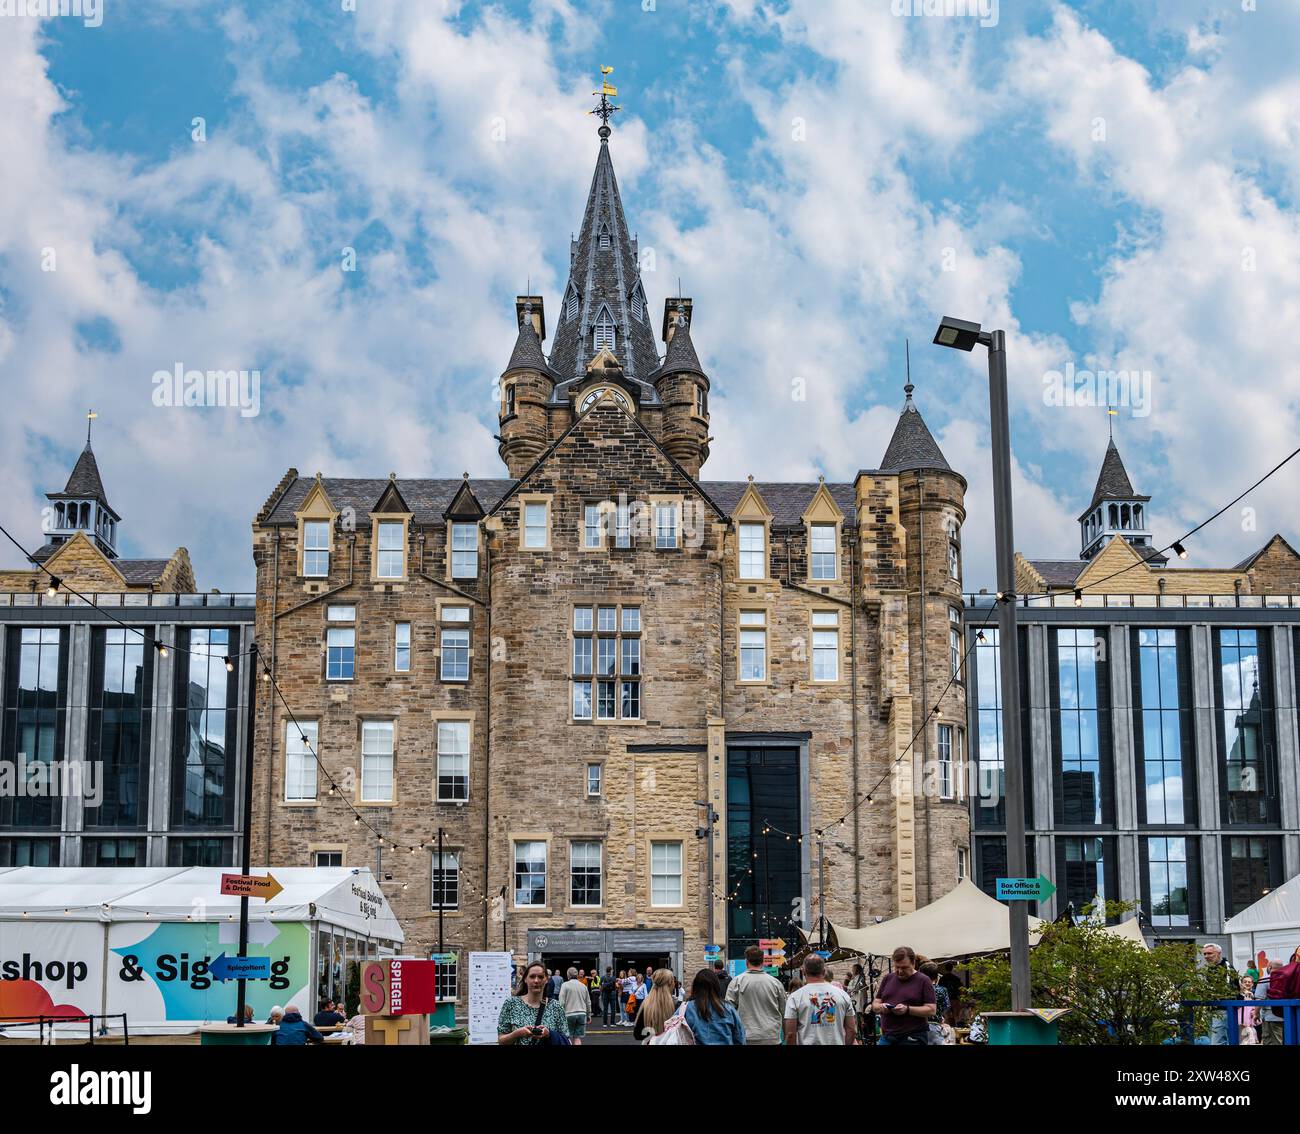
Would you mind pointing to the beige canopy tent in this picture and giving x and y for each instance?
(963, 923)
(1130, 930)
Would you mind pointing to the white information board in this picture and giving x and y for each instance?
(490, 976)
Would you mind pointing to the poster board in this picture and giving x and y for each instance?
(490, 977)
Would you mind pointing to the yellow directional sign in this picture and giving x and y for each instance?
(262, 886)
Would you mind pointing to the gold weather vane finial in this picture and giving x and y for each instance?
(90, 419)
(606, 109)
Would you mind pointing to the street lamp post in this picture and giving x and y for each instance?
(961, 335)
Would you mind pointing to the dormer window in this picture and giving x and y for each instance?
(571, 304)
(604, 332)
(638, 305)
(604, 237)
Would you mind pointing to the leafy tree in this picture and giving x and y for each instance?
(1116, 991)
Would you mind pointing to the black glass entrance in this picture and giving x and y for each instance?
(764, 871)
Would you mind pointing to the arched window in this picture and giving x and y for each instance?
(58, 515)
(85, 516)
(604, 332)
(1137, 516)
(1114, 515)
(1124, 516)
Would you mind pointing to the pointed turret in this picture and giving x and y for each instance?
(82, 506)
(526, 386)
(1116, 510)
(683, 388)
(912, 445)
(604, 301)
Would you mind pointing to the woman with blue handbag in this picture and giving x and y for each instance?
(530, 1020)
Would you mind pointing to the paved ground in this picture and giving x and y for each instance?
(601, 1036)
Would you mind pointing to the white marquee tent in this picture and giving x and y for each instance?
(1272, 925)
(147, 941)
(963, 923)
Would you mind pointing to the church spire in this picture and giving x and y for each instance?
(604, 304)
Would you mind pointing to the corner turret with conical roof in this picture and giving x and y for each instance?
(526, 386)
(683, 390)
(913, 445)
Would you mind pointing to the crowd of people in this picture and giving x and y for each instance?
(913, 1005)
(1263, 980)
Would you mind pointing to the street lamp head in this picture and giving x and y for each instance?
(957, 333)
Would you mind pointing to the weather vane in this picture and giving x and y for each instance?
(606, 110)
(90, 420)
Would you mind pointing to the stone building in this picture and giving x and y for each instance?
(119, 669)
(1159, 728)
(638, 704)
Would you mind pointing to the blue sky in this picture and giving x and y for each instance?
(1112, 182)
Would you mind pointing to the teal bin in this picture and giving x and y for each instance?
(1023, 1029)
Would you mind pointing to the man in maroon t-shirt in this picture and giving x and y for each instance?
(905, 1003)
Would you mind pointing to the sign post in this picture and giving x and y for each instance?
(246, 853)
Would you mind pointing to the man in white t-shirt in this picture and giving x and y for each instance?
(820, 1013)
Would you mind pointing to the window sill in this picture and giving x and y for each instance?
(453, 680)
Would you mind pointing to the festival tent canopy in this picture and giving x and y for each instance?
(337, 896)
(1271, 924)
(1130, 930)
(964, 922)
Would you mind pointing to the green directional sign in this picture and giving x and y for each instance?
(1025, 889)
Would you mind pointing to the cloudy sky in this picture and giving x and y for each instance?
(1112, 181)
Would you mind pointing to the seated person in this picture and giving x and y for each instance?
(329, 1016)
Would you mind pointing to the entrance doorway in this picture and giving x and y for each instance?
(566, 961)
(642, 961)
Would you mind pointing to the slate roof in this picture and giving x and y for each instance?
(1058, 572)
(604, 276)
(528, 352)
(912, 445)
(140, 572)
(85, 483)
(427, 499)
(681, 354)
(1112, 482)
(788, 501)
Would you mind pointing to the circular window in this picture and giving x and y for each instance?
(595, 395)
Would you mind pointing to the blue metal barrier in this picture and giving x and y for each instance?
(1290, 1016)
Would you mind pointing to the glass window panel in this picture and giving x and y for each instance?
(300, 747)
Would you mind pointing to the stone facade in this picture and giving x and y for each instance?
(603, 516)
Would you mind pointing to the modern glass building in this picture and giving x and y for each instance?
(123, 700)
(1159, 724)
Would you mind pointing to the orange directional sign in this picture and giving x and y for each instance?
(250, 886)
(772, 943)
